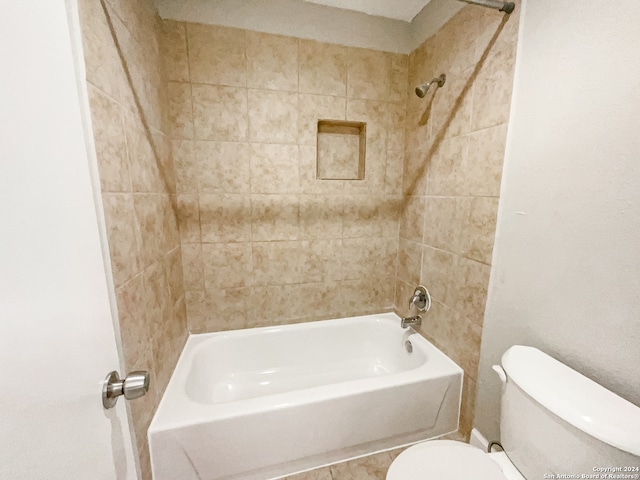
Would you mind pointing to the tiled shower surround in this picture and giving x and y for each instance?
(219, 222)
(264, 242)
(454, 153)
(138, 193)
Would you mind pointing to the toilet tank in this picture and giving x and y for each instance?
(556, 423)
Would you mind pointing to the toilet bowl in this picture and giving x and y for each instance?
(554, 423)
(451, 460)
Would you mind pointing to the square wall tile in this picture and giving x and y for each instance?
(174, 51)
(132, 317)
(389, 215)
(409, 261)
(377, 293)
(443, 222)
(274, 168)
(273, 116)
(274, 305)
(472, 282)
(279, 263)
(451, 109)
(362, 216)
(217, 55)
(484, 162)
(479, 217)
(326, 257)
(492, 90)
(321, 216)
(323, 68)
(223, 167)
(362, 257)
(157, 297)
(107, 120)
(220, 113)
(225, 218)
(173, 268)
(374, 173)
(445, 175)
(393, 173)
(275, 217)
(192, 266)
(311, 109)
(220, 309)
(227, 265)
(376, 116)
(188, 218)
(148, 169)
(398, 77)
(149, 214)
(184, 163)
(307, 168)
(180, 111)
(438, 274)
(272, 61)
(102, 62)
(368, 75)
(412, 218)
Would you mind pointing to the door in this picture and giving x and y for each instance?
(57, 339)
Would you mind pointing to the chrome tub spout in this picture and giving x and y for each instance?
(415, 321)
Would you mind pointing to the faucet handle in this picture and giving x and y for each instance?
(421, 299)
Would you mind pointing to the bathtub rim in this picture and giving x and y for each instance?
(171, 415)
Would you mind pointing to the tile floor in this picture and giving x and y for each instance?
(372, 467)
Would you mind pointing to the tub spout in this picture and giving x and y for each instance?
(411, 321)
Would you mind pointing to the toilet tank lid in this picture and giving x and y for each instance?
(574, 398)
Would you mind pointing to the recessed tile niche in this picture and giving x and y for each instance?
(341, 150)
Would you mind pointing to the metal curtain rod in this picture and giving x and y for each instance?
(506, 7)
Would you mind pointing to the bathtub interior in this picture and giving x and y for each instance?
(284, 359)
(265, 403)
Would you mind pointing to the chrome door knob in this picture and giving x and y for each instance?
(135, 385)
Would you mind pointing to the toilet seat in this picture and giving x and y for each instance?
(444, 460)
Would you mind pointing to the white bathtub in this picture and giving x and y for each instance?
(268, 402)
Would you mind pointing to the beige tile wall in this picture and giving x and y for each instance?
(454, 151)
(138, 192)
(263, 241)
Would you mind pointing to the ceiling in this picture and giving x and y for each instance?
(403, 10)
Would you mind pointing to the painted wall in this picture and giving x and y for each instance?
(316, 22)
(453, 163)
(565, 274)
(128, 114)
(265, 242)
(295, 18)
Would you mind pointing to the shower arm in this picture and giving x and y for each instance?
(422, 90)
(506, 7)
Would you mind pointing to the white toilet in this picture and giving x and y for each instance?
(554, 423)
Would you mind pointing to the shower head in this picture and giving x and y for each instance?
(422, 90)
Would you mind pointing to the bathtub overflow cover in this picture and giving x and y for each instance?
(408, 346)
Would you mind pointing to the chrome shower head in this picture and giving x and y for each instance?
(422, 90)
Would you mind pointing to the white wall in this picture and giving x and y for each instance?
(566, 265)
(316, 22)
(296, 19)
